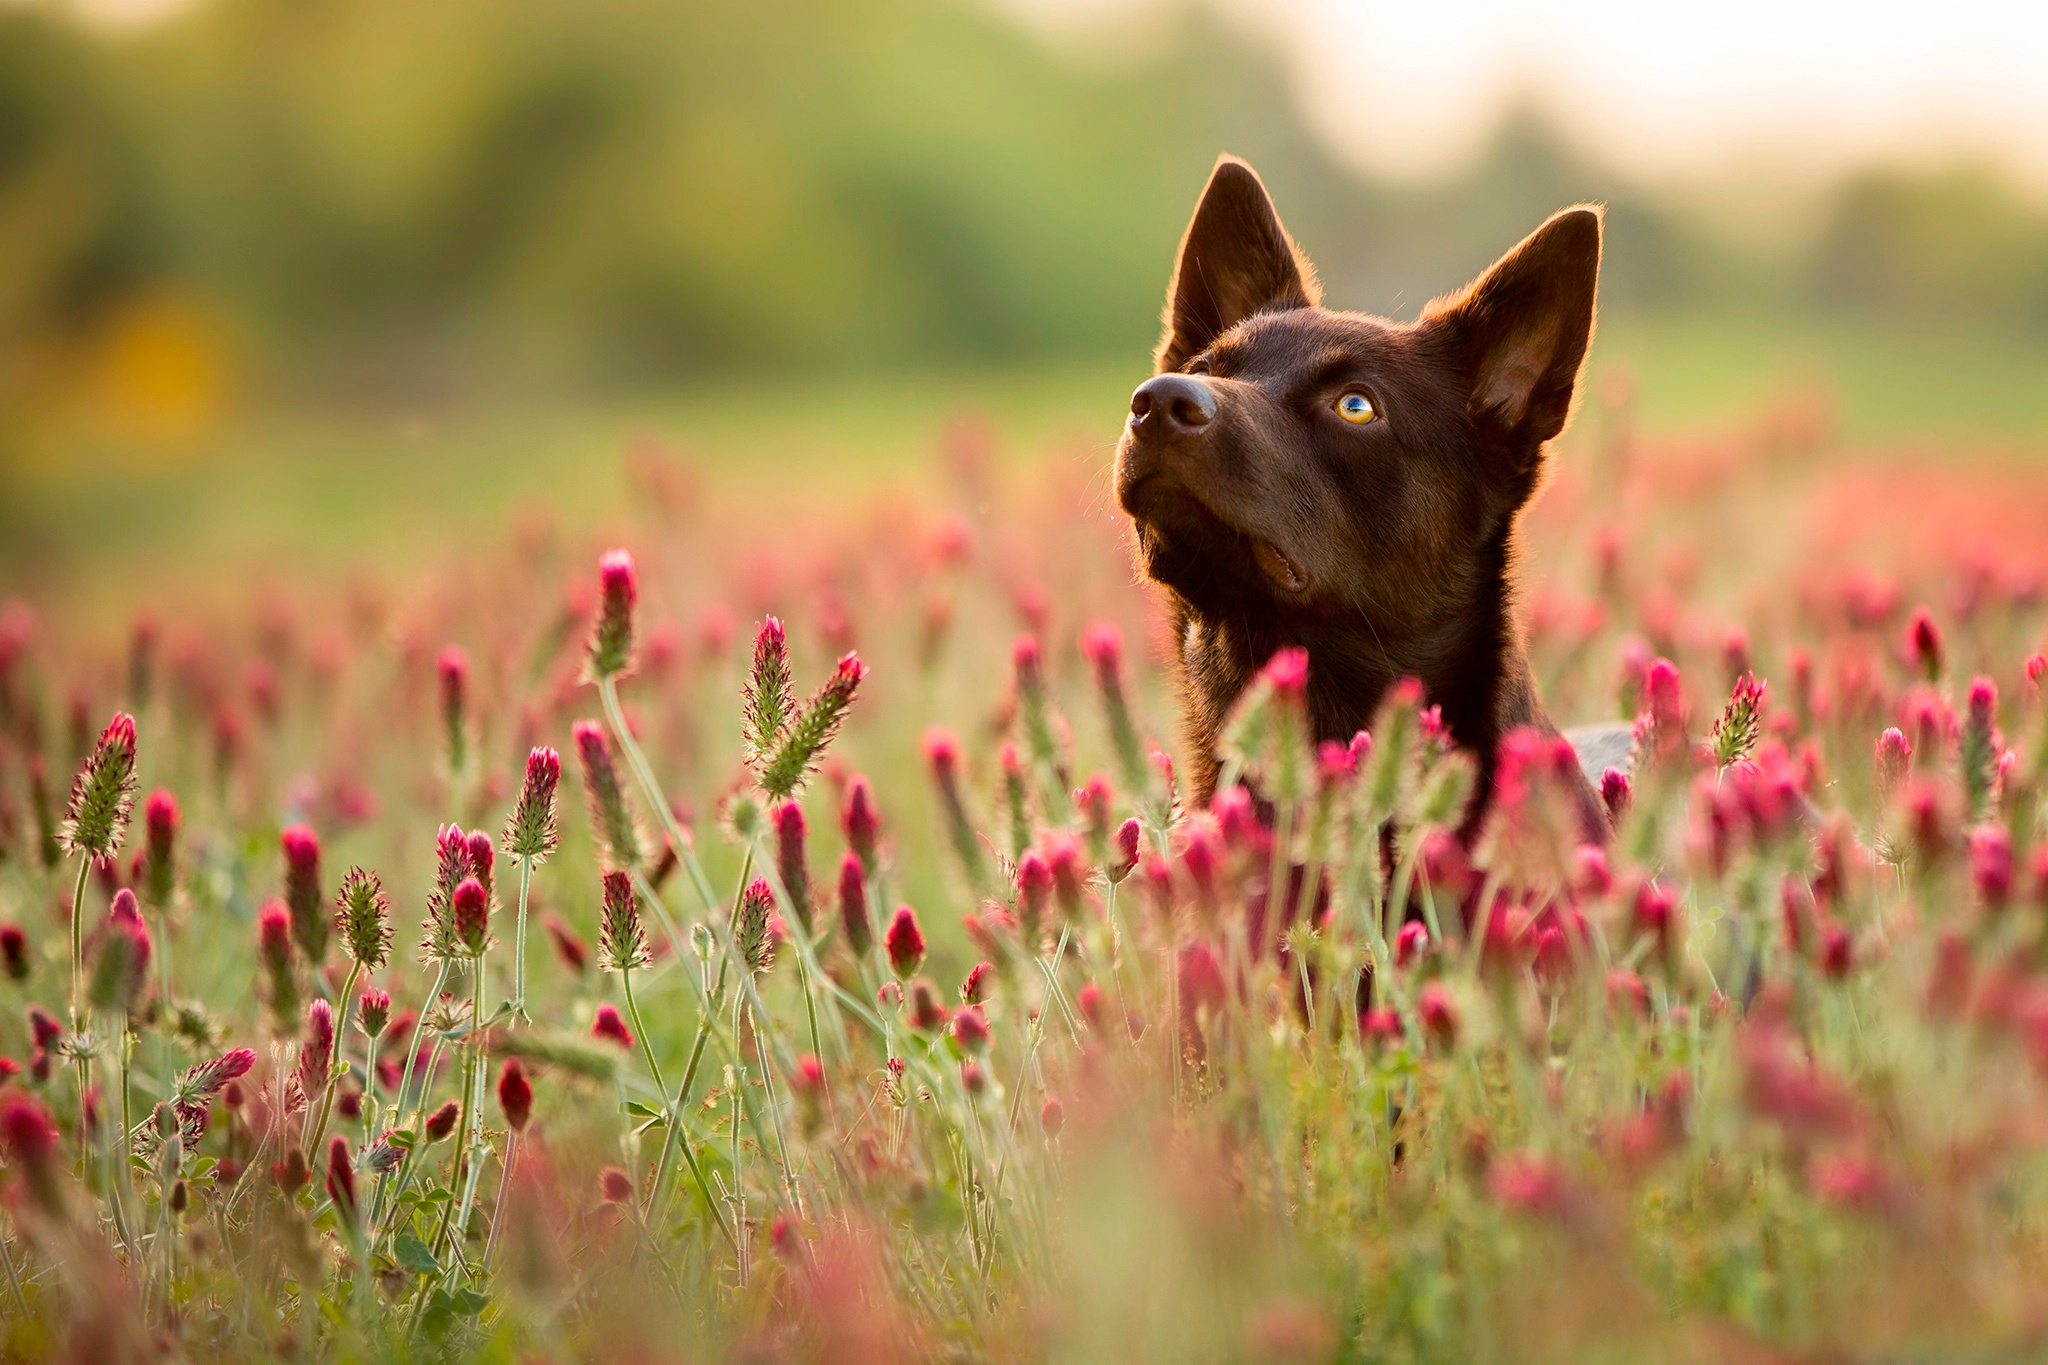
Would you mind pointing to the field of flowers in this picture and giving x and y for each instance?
(783, 938)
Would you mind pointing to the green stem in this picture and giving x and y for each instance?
(519, 942)
(78, 944)
(685, 850)
(478, 1075)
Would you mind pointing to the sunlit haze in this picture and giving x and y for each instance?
(1409, 87)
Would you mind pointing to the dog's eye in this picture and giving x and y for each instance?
(1356, 408)
(1199, 365)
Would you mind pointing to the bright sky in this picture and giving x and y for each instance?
(1404, 85)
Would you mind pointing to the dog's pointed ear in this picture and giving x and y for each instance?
(1235, 260)
(1522, 330)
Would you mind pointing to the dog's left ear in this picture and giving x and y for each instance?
(1522, 330)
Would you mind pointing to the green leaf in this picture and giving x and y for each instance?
(644, 1111)
(412, 1254)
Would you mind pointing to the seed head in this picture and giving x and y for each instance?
(808, 733)
(103, 795)
(365, 919)
(1735, 734)
(751, 928)
(769, 704)
(610, 652)
(451, 866)
(905, 943)
(617, 833)
(515, 1095)
(622, 942)
(530, 831)
(615, 1186)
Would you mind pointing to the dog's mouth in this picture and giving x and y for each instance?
(1284, 572)
(1184, 539)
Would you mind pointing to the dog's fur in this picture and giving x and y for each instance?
(1386, 549)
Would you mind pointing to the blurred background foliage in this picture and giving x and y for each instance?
(250, 208)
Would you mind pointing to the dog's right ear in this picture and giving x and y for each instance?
(1235, 260)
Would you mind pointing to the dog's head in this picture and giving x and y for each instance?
(1299, 462)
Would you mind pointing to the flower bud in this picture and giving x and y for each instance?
(160, 825)
(611, 638)
(302, 891)
(441, 1122)
(531, 831)
(905, 942)
(472, 916)
(341, 1177)
(861, 823)
(515, 1095)
(853, 906)
(373, 1011)
(611, 1028)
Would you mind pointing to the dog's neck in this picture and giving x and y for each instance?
(1471, 663)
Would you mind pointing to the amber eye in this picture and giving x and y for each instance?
(1356, 408)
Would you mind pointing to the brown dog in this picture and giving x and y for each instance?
(1299, 476)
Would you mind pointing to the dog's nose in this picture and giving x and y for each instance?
(1173, 402)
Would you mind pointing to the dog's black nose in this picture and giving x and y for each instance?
(1173, 402)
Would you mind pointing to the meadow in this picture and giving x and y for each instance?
(758, 919)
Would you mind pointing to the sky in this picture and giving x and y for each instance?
(1407, 87)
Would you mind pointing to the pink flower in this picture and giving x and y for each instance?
(1991, 864)
(974, 989)
(515, 1095)
(341, 1176)
(611, 1028)
(1923, 644)
(1052, 1117)
(970, 1029)
(615, 1186)
(860, 822)
(1287, 672)
(904, 942)
(1410, 943)
(1439, 1014)
(853, 906)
